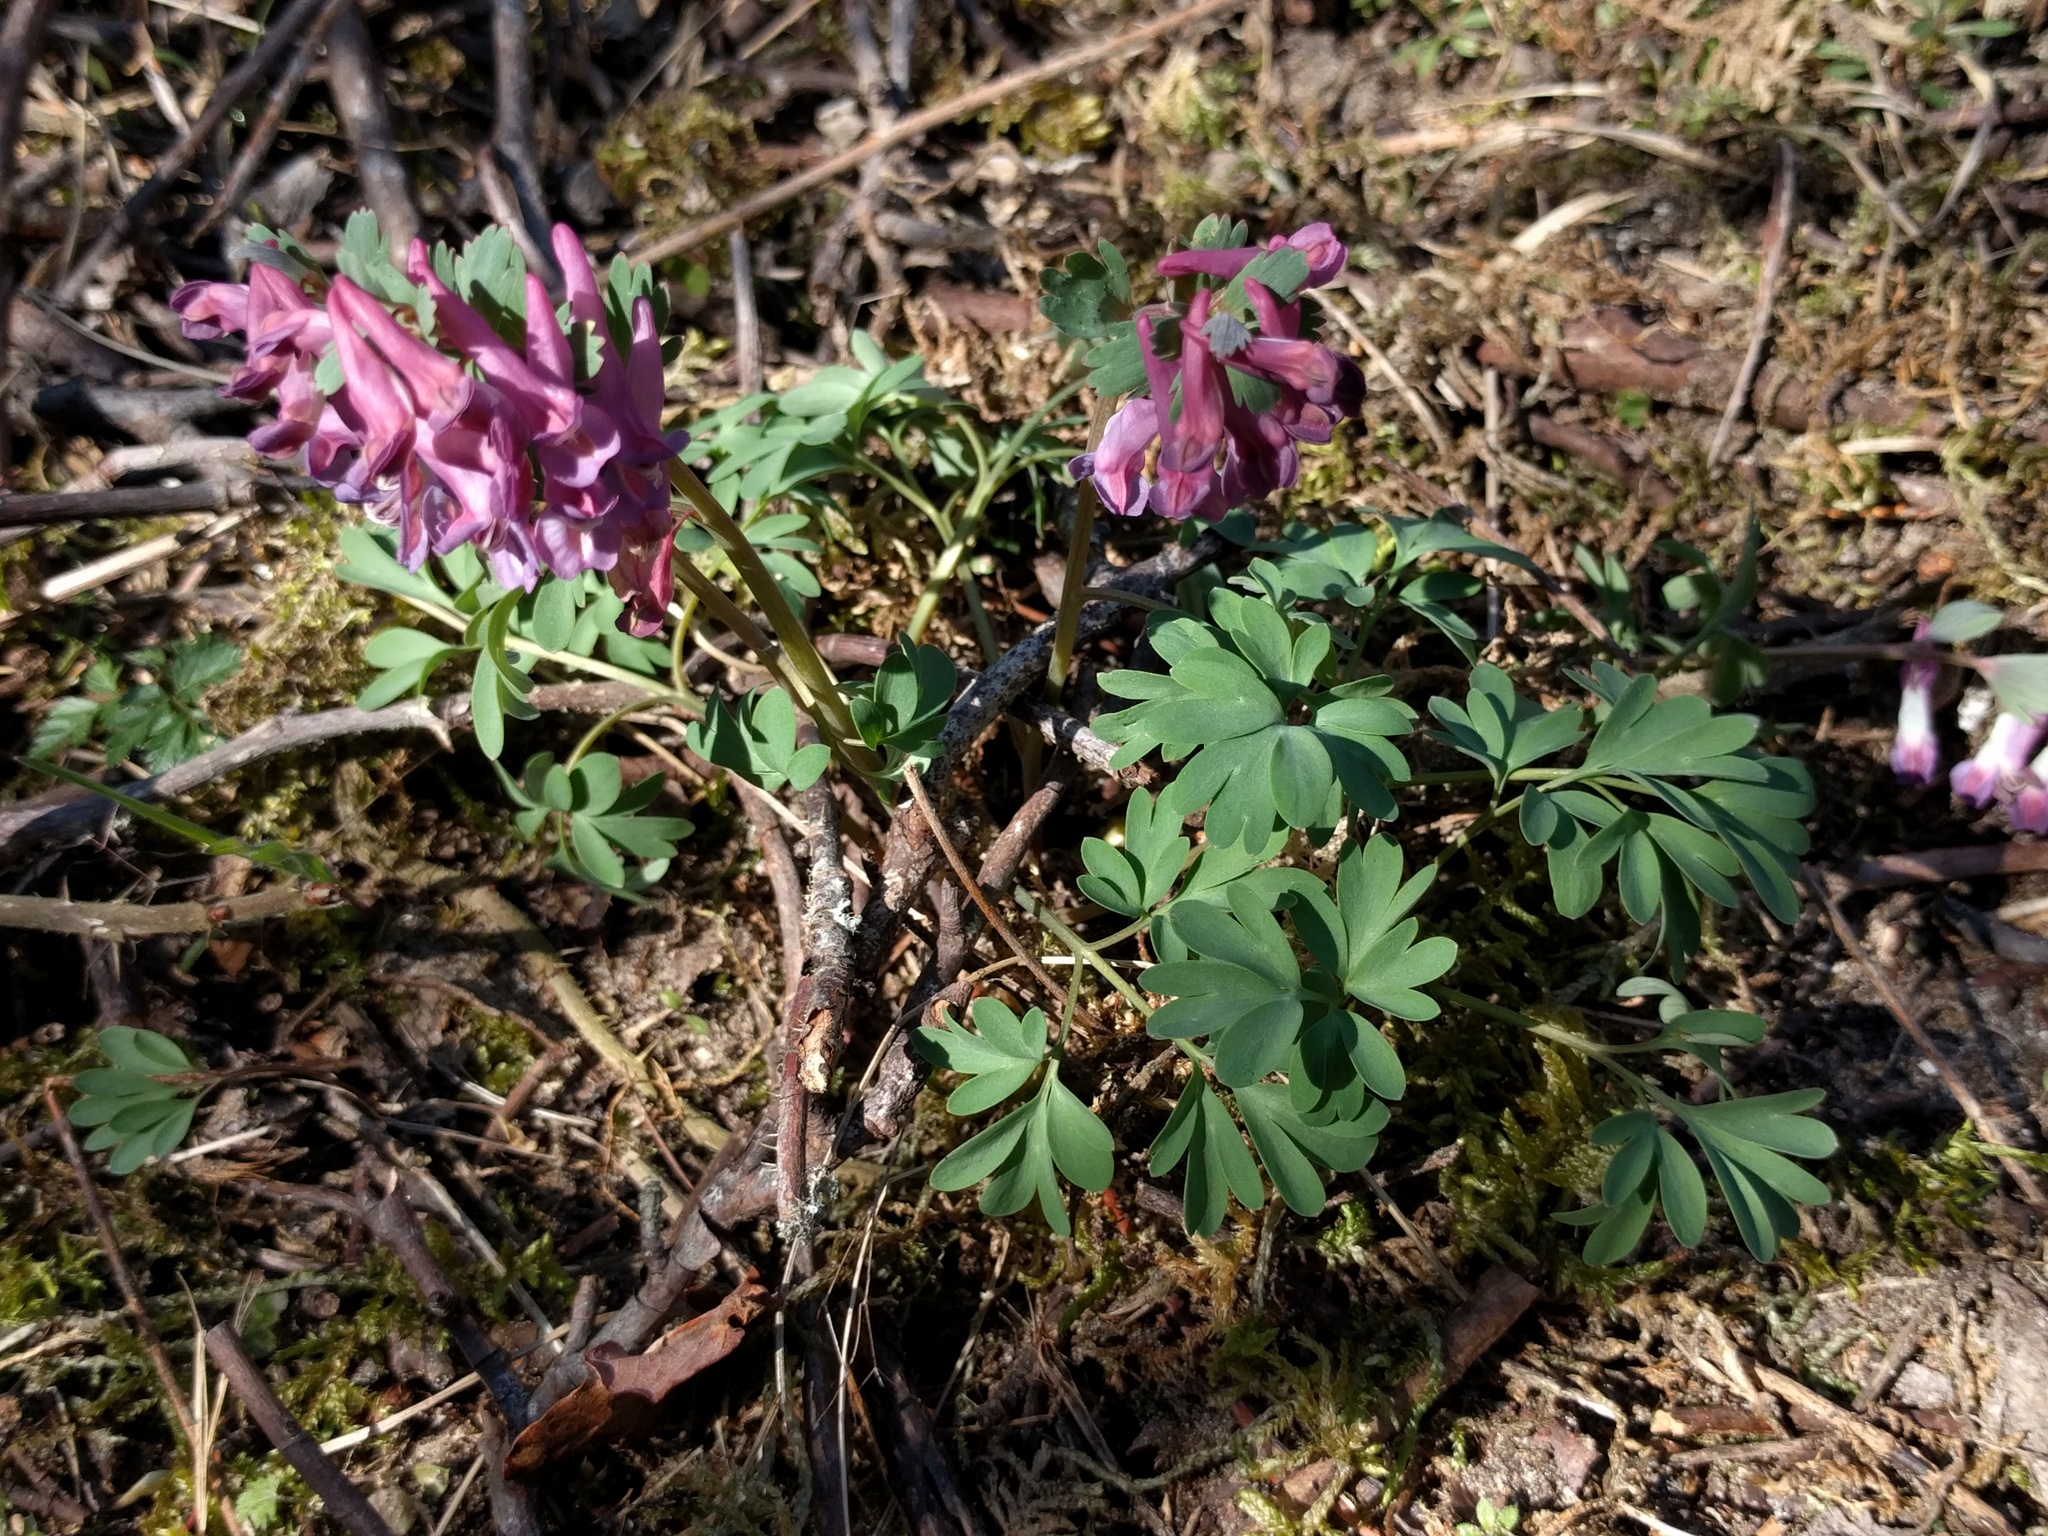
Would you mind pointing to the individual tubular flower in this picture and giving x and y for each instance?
(1318, 243)
(1916, 753)
(464, 432)
(2029, 809)
(1999, 764)
(1117, 465)
(1188, 444)
(208, 311)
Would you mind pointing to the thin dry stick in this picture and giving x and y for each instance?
(1776, 240)
(261, 132)
(355, 80)
(21, 45)
(938, 115)
(1980, 1121)
(344, 1501)
(44, 508)
(746, 313)
(283, 31)
(110, 1242)
(512, 132)
(130, 919)
(972, 886)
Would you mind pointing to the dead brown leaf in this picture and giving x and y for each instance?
(622, 1391)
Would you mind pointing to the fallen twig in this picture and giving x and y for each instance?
(1960, 1091)
(488, 906)
(67, 814)
(910, 854)
(814, 1021)
(21, 46)
(43, 509)
(899, 1073)
(1604, 454)
(1610, 351)
(1776, 240)
(746, 313)
(133, 919)
(973, 887)
(355, 79)
(263, 132)
(282, 32)
(110, 1244)
(392, 1222)
(344, 1501)
(512, 130)
(938, 115)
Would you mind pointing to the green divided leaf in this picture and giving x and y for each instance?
(997, 1056)
(1087, 295)
(1022, 1155)
(1745, 1142)
(602, 822)
(1201, 1133)
(905, 706)
(1248, 762)
(756, 739)
(133, 1116)
(1502, 729)
(1959, 623)
(1741, 819)
(1135, 878)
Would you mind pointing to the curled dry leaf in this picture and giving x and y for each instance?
(624, 1390)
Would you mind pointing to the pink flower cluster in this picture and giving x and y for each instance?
(2011, 766)
(489, 446)
(1215, 454)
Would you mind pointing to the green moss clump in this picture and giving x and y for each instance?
(1509, 1180)
(308, 655)
(679, 157)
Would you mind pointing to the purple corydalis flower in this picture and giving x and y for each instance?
(1318, 244)
(208, 311)
(2029, 809)
(2000, 762)
(1117, 466)
(1188, 444)
(1916, 752)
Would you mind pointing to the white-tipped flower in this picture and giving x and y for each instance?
(2001, 763)
(1916, 752)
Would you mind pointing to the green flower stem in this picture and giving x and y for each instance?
(681, 639)
(704, 590)
(1059, 1045)
(595, 734)
(1081, 949)
(1069, 622)
(835, 721)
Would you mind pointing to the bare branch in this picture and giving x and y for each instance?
(345, 1502)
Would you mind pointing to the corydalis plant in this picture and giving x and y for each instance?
(457, 405)
(1225, 386)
